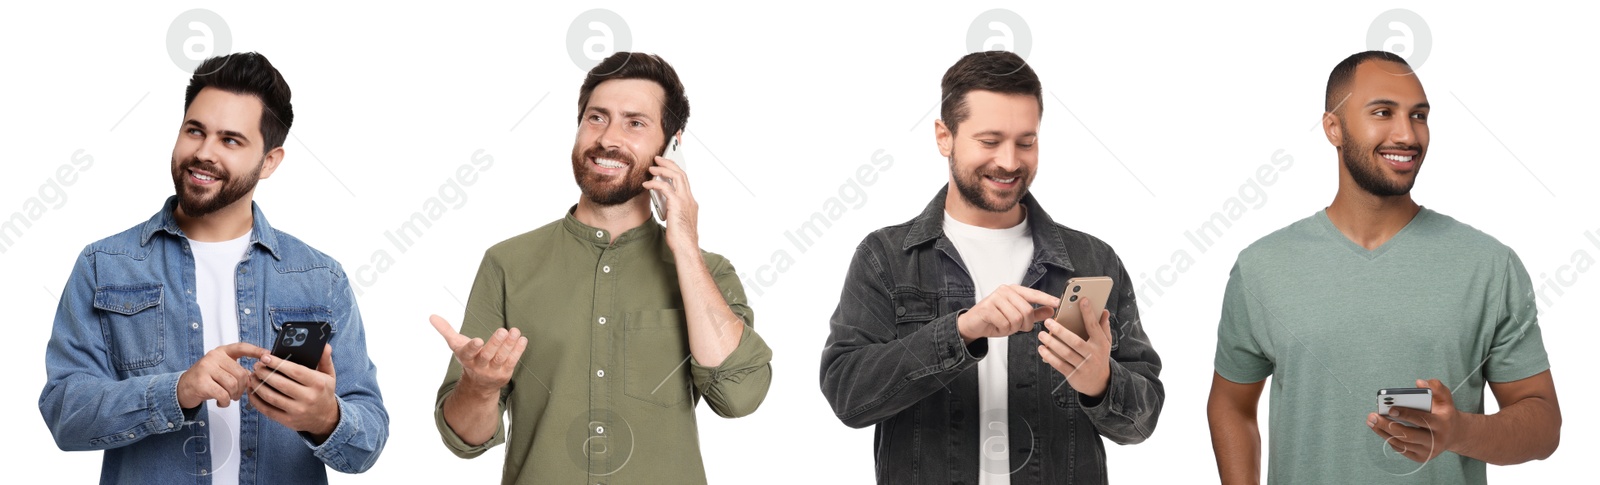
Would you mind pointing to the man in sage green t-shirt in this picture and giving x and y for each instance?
(1377, 292)
(601, 332)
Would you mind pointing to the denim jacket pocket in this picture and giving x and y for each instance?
(132, 323)
(912, 310)
(655, 355)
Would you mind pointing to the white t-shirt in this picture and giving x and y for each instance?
(994, 257)
(215, 266)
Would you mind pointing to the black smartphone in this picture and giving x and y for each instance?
(302, 342)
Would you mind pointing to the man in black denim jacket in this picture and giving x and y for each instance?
(907, 337)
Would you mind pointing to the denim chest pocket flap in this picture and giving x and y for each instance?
(911, 311)
(307, 313)
(132, 324)
(655, 355)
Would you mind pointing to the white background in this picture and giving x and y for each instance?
(1154, 118)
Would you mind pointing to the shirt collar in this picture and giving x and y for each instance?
(261, 233)
(1049, 246)
(649, 231)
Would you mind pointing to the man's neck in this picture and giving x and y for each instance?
(226, 224)
(615, 219)
(963, 211)
(1370, 220)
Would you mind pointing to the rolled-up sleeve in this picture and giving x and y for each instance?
(737, 386)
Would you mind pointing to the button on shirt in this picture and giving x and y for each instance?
(606, 390)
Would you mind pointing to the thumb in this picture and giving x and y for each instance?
(1441, 394)
(452, 338)
(326, 364)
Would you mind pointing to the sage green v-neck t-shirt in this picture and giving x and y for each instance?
(1333, 322)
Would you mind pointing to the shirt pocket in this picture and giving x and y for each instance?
(655, 357)
(132, 323)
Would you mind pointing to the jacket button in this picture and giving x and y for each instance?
(900, 311)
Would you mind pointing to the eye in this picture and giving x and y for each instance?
(1025, 144)
(231, 141)
(636, 124)
(193, 131)
(1419, 116)
(989, 143)
(596, 118)
(1381, 113)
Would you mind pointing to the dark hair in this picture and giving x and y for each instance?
(637, 65)
(998, 71)
(1339, 79)
(248, 73)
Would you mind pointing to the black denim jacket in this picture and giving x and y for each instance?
(894, 360)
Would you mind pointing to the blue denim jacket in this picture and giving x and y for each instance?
(128, 325)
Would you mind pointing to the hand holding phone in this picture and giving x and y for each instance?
(1418, 398)
(1097, 288)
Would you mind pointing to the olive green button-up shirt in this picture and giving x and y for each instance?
(607, 389)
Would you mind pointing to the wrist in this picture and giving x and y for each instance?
(967, 336)
(470, 388)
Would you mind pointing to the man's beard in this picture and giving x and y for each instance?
(597, 188)
(229, 190)
(1365, 168)
(970, 187)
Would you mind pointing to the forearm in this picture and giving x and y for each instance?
(1528, 430)
(868, 382)
(472, 413)
(1236, 440)
(98, 413)
(714, 330)
(1128, 411)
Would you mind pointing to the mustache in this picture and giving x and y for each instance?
(612, 154)
(1001, 174)
(211, 167)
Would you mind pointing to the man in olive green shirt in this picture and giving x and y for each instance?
(601, 332)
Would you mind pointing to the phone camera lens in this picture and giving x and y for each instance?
(1073, 298)
(1076, 289)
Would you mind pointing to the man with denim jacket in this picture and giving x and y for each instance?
(156, 355)
(938, 340)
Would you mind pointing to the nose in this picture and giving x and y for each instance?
(1404, 133)
(205, 152)
(610, 136)
(1006, 157)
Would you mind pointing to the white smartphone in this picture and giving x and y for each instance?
(1418, 398)
(658, 202)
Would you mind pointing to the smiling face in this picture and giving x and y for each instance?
(218, 157)
(618, 138)
(994, 152)
(1382, 129)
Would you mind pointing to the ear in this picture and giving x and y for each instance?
(677, 140)
(1332, 129)
(269, 164)
(944, 137)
